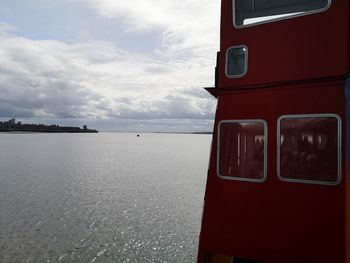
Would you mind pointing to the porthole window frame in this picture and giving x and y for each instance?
(245, 62)
(233, 178)
(276, 19)
(339, 151)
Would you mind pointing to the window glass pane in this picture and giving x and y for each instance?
(254, 11)
(236, 61)
(309, 148)
(242, 150)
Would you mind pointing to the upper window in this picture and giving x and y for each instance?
(236, 61)
(309, 148)
(250, 12)
(242, 153)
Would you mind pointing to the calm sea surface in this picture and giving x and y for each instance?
(108, 197)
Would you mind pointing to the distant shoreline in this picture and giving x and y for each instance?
(38, 132)
(11, 126)
(131, 132)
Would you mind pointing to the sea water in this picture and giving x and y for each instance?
(107, 197)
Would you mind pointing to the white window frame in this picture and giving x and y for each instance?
(245, 62)
(265, 151)
(325, 115)
(282, 17)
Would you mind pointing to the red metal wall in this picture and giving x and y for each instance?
(295, 66)
(276, 221)
(307, 47)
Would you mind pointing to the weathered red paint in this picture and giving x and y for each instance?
(296, 66)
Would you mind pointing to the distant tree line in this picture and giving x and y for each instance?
(11, 125)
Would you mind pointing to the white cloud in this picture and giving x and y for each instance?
(149, 13)
(189, 27)
(98, 80)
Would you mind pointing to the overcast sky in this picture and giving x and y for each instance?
(115, 65)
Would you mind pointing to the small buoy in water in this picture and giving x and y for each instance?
(138, 135)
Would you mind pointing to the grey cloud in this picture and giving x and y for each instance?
(175, 106)
(29, 97)
(11, 109)
(51, 79)
(157, 69)
(196, 92)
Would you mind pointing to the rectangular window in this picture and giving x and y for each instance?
(250, 12)
(242, 150)
(309, 148)
(236, 61)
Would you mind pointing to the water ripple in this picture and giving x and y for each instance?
(101, 198)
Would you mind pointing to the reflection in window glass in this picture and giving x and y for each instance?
(309, 148)
(242, 150)
(249, 12)
(236, 61)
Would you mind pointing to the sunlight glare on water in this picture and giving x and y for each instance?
(108, 197)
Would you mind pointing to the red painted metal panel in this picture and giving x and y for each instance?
(295, 66)
(276, 221)
(307, 47)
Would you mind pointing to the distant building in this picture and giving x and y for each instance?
(11, 125)
(12, 121)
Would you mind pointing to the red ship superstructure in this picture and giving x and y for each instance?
(278, 187)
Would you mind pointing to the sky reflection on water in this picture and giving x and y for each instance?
(107, 197)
